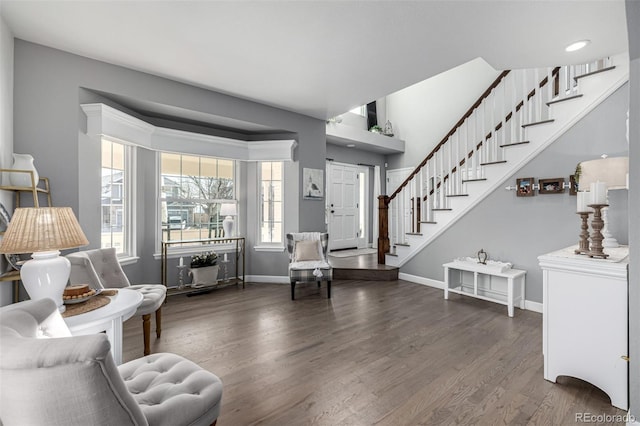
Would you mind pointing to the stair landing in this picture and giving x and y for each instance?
(363, 267)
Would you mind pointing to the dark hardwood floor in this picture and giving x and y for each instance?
(388, 353)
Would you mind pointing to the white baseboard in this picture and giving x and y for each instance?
(533, 306)
(421, 280)
(528, 304)
(271, 279)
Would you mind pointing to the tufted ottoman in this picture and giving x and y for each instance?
(172, 390)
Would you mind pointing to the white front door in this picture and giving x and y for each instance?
(343, 202)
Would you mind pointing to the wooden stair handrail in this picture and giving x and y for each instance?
(451, 132)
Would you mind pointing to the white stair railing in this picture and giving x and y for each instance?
(515, 101)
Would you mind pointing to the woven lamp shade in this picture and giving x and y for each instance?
(42, 229)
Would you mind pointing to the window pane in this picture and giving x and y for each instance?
(113, 197)
(271, 202)
(191, 190)
(277, 171)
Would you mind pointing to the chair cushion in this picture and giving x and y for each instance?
(303, 271)
(153, 296)
(307, 250)
(172, 390)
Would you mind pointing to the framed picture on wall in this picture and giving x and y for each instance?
(551, 186)
(573, 188)
(524, 187)
(312, 184)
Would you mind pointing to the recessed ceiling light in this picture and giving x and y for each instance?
(577, 45)
(351, 145)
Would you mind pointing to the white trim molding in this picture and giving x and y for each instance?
(267, 279)
(103, 120)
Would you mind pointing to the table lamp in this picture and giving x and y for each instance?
(228, 210)
(601, 176)
(43, 232)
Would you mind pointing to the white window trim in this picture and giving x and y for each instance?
(177, 251)
(266, 246)
(103, 120)
(130, 254)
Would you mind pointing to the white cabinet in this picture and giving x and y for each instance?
(486, 283)
(585, 319)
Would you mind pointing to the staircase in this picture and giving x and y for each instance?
(518, 116)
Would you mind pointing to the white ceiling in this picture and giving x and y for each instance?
(319, 58)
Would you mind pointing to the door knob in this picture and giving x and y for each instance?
(333, 211)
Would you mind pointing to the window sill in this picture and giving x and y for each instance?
(128, 260)
(174, 253)
(269, 248)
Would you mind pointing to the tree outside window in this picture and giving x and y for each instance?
(192, 190)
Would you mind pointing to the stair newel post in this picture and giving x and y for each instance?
(383, 228)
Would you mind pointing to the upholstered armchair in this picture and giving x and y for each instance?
(100, 269)
(48, 377)
(308, 259)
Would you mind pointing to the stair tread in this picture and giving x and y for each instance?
(473, 180)
(413, 233)
(551, 120)
(493, 162)
(566, 98)
(391, 254)
(402, 244)
(506, 145)
(457, 195)
(594, 72)
(428, 221)
(441, 210)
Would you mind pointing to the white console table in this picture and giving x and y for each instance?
(486, 283)
(585, 319)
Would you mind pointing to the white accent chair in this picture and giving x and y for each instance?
(48, 377)
(100, 269)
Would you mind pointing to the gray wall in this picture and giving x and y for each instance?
(6, 132)
(633, 26)
(519, 229)
(48, 124)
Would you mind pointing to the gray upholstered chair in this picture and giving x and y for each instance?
(48, 377)
(100, 269)
(308, 259)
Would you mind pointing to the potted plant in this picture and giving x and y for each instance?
(376, 129)
(204, 269)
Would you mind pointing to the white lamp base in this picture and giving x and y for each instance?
(46, 276)
(227, 225)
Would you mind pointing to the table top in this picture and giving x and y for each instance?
(123, 304)
(484, 269)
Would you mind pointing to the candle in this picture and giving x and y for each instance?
(181, 262)
(584, 199)
(598, 193)
(225, 257)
